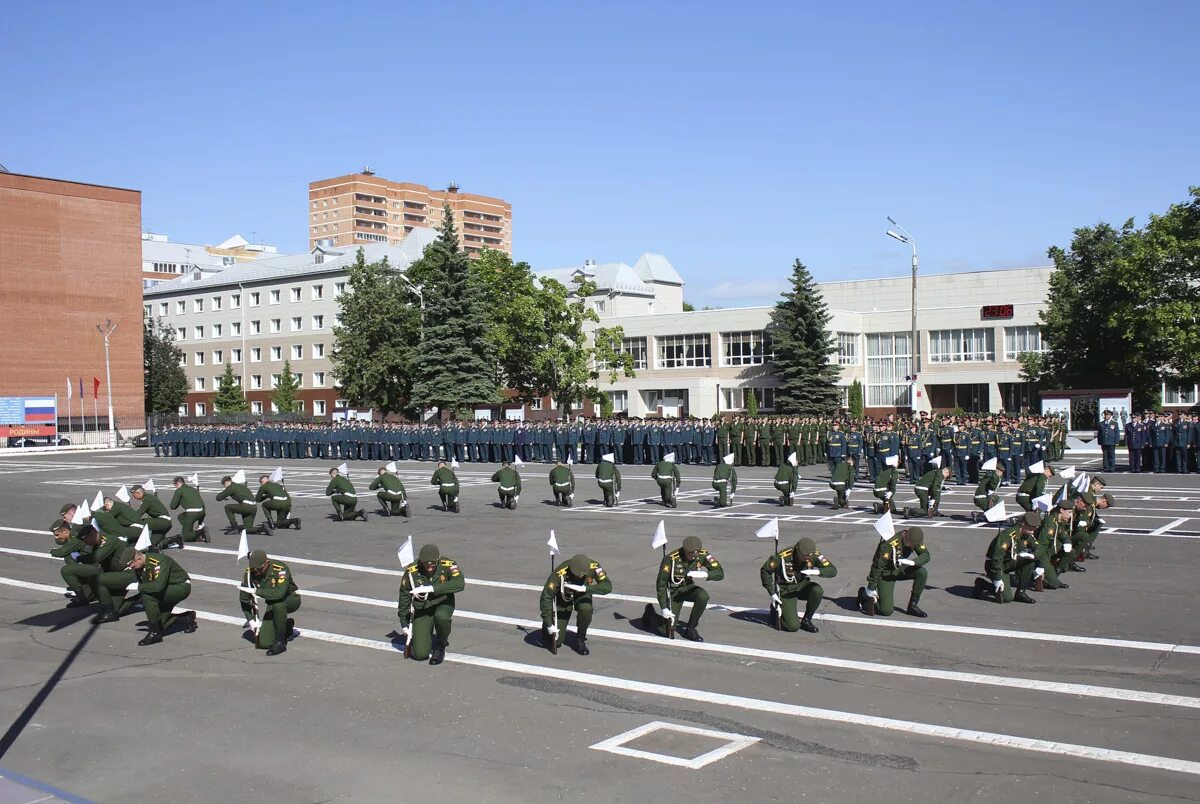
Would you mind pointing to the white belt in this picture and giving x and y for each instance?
(603, 481)
(193, 510)
(839, 483)
(984, 496)
(562, 485)
(162, 516)
(507, 488)
(880, 488)
(721, 480)
(280, 499)
(345, 494)
(1022, 494)
(449, 485)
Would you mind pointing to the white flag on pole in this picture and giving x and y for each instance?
(1068, 473)
(194, 479)
(1042, 503)
(98, 501)
(996, 513)
(239, 476)
(518, 462)
(143, 541)
(405, 553)
(570, 460)
(149, 486)
(552, 544)
(1081, 483)
(344, 469)
(769, 530)
(277, 475)
(454, 463)
(243, 546)
(123, 493)
(884, 527)
(391, 467)
(660, 535)
(1062, 494)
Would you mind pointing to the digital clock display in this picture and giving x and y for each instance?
(997, 311)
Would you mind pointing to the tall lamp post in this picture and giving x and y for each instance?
(898, 232)
(106, 329)
(419, 290)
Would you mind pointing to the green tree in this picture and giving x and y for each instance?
(751, 403)
(164, 379)
(606, 406)
(1122, 305)
(514, 305)
(229, 397)
(688, 307)
(284, 398)
(455, 366)
(803, 345)
(854, 399)
(377, 337)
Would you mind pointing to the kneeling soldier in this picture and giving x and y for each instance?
(272, 582)
(562, 484)
(725, 481)
(678, 583)
(78, 571)
(510, 485)
(608, 477)
(666, 474)
(900, 558)
(427, 603)
(841, 480)
(274, 497)
(1088, 523)
(341, 494)
(786, 480)
(570, 587)
(243, 505)
(154, 513)
(391, 494)
(885, 485)
(1010, 561)
(163, 584)
(1054, 549)
(788, 577)
(929, 493)
(114, 581)
(1034, 484)
(447, 483)
(991, 475)
(191, 518)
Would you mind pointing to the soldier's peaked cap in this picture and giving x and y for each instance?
(806, 547)
(578, 565)
(692, 543)
(429, 553)
(258, 558)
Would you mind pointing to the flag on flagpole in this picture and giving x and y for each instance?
(194, 479)
(123, 493)
(405, 553)
(769, 530)
(1068, 473)
(1042, 503)
(454, 463)
(95, 387)
(277, 475)
(391, 467)
(98, 501)
(1062, 494)
(149, 486)
(239, 476)
(517, 461)
(552, 544)
(660, 535)
(996, 513)
(1081, 483)
(143, 541)
(344, 469)
(69, 388)
(884, 527)
(243, 546)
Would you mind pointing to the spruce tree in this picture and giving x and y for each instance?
(284, 398)
(229, 397)
(803, 346)
(455, 366)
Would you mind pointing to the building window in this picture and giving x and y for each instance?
(201, 409)
(200, 384)
(235, 301)
(318, 322)
(180, 307)
(235, 355)
(255, 299)
(847, 349)
(275, 325)
(318, 292)
(620, 401)
(751, 348)
(962, 345)
(683, 351)
(162, 308)
(299, 378)
(255, 354)
(1178, 394)
(630, 346)
(216, 330)
(182, 411)
(274, 296)
(536, 404)
(147, 310)
(297, 323)
(256, 382)
(889, 361)
(199, 359)
(256, 407)
(736, 398)
(181, 334)
(235, 328)
(216, 303)
(218, 357)
(318, 350)
(276, 353)
(339, 404)
(197, 305)
(339, 288)
(255, 327)
(275, 378)
(198, 331)
(318, 379)
(318, 407)
(295, 294)
(1022, 339)
(599, 304)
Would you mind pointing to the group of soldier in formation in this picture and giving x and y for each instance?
(114, 551)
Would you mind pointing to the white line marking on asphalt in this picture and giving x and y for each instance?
(733, 743)
(1163, 530)
(829, 662)
(738, 702)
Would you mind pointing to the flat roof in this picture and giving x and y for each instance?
(68, 181)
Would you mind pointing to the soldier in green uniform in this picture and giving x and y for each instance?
(666, 474)
(1087, 524)
(191, 518)
(114, 522)
(447, 485)
(154, 514)
(562, 483)
(162, 584)
(243, 505)
(390, 492)
(901, 558)
(570, 587)
(678, 583)
(1054, 549)
(426, 603)
(885, 485)
(737, 429)
(608, 477)
(1009, 562)
(344, 498)
(725, 481)
(274, 497)
(929, 492)
(786, 480)
(991, 475)
(510, 485)
(112, 577)
(841, 480)
(268, 594)
(78, 571)
(723, 436)
(1034, 484)
(788, 576)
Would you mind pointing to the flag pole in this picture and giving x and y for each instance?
(554, 611)
(670, 623)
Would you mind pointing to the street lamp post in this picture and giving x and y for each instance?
(898, 232)
(417, 289)
(106, 329)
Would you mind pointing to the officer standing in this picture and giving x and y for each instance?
(900, 558)
(274, 596)
(678, 583)
(426, 604)
(570, 587)
(788, 576)
(1108, 435)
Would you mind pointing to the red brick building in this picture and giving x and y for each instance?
(70, 257)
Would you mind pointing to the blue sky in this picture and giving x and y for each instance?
(731, 138)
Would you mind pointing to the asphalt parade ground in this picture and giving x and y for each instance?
(1091, 695)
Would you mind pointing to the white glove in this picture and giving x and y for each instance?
(423, 589)
(873, 594)
(699, 574)
(906, 562)
(552, 630)
(668, 614)
(775, 599)
(1039, 572)
(133, 587)
(1024, 554)
(246, 624)
(1066, 547)
(407, 631)
(888, 495)
(76, 555)
(998, 586)
(575, 587)
(811, 572)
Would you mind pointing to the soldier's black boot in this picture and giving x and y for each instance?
(689, 632)
(291, 629)
(105, 617)
(581, 645)
(438, 655)
(79, 602)
(295, 521)
(151, 638)
(1023, 597)
(914, 610)
(188, 619)
(278, 648)
(806, 624)
(982, 587)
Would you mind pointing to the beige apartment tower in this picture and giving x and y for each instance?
(362, 208)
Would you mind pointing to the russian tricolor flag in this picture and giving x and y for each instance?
(39, 410)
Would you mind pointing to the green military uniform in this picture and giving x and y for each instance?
(1087, 525)
(188, 498)
(447, 484)
(1054, 551)
(424, 613)
(112, 523)
(678, 583)
(1009, 564)
(154, 514)
(562, 484)
(390, 493)
(274, 497)
(277, 596)
(510, 486)
(841, 480)
(112, 582)
(163, 584)
(78, 570)
(885, 489)
(986, 493)
(608, 477)
(929, 493)
(243, 504)
(899, 558)
(786, 480)
(788, 577)
(725, 483)
(344, 498)
(1032, 487)
(559, 599)
(666, 474)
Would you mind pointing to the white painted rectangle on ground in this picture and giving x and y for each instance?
(733, 743)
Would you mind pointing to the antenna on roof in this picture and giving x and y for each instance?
(366, 171)
(453, 188)
(3, 169)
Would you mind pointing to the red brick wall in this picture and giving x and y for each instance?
(70, 257)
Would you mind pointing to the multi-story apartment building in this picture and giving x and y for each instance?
(361, 208)
(164, 259)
